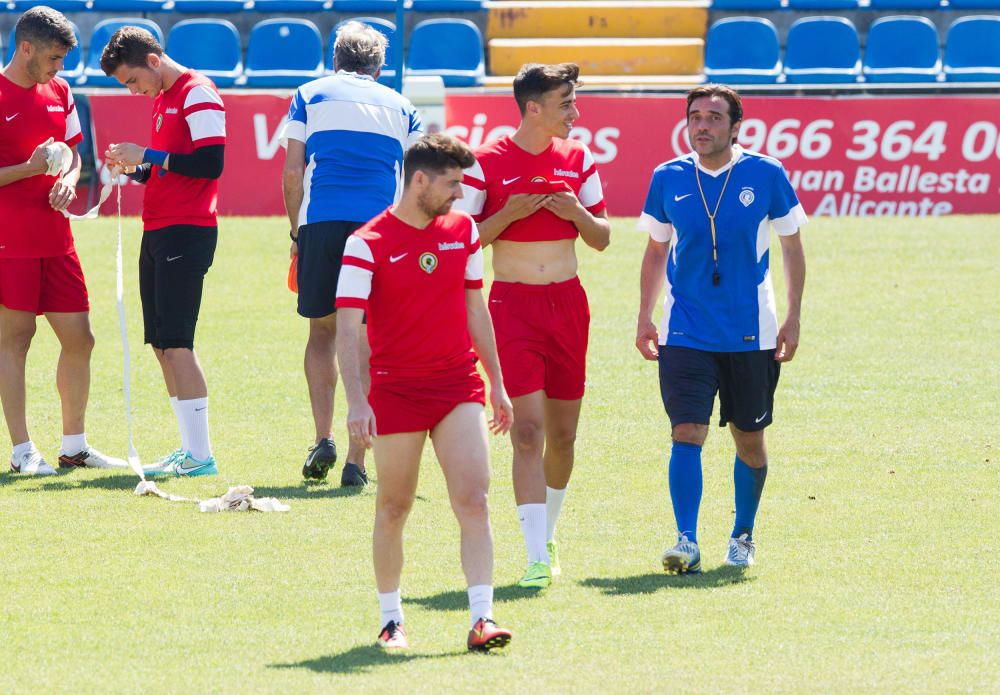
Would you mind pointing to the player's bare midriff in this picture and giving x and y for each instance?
(534, 262)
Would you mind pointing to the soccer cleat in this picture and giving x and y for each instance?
(740, 552)
(352, 476)
(538, 576)
(683, 558)
(553, 558)
(164, 463)
(393, 636)
(486, 635)
(320, 460)
(90, 458)
(185, 467)
(30, 463)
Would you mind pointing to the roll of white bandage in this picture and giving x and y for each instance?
(59, 158)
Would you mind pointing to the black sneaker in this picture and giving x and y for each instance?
(352, 476)
(320, 460)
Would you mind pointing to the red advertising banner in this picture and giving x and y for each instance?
(868, 156)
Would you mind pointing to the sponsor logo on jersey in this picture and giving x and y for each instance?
(746, 196)
(450, 246)
(171, 110)
(568, 174)
(55, 107)
(428, 262)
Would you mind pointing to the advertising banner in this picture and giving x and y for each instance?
(865, 156)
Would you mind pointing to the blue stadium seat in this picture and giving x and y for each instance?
(450, 48)
(905, 4)
(902, 49)
(128, 5)
(93, 76)
(448, 6)
(210, 6)
(364, 5)
(391, 54)
(285, 6)
(972, 50)
(822, 50)
(740, 5)
(210, 46)
(974, 4)
(284, 53)
(811, 5)
(60, 5)
(72, 65)
(742, 50)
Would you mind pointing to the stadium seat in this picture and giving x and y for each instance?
(448, 6)
(742, 50)
(290, 5)
(72, 65)
(822, 50)
(210, 46)
(741, 5)
(904, 4)
(391, 53)
(902, 49)
(60, 5)
(811, 5)
(283, 53)
(972, 50)
(128, 5)
(93, 76)
(974, 4)
(210, 6)
(364, 5)
(450, 48)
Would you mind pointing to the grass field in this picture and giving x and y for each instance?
(878, 537)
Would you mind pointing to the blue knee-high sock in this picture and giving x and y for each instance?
(685, 487)
(749, 484)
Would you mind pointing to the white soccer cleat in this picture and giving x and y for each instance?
(740, 553)
(30, 463)
(683, 558)
(90, 458)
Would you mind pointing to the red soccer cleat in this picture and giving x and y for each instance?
(486, 635)
(393, 636)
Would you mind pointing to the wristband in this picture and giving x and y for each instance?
(293, 238)
(151, 156)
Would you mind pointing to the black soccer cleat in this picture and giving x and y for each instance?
(352, 476)
(320, 460)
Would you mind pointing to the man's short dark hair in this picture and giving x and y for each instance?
(129, 46)
(435, 154)
(731, 96)
(535, 79)
(43, 26)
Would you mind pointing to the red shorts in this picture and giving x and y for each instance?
(42, 285)
(542, 333)
(419, 404)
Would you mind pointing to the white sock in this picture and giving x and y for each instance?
(532, 518)
(180, 422)
(391, 605)
(73, 444)
(194, 416)
(23, 448)
(553, 505)
(480, 603)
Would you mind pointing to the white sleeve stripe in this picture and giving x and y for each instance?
(658, 231)
(591, 192)
(200, 95)
(358, 248)
(208, 123)
(354, 282)
(474, 266)
(474, 234)
(588, 158)
(72, 126)
(476, 172)
(472, 200)
(292, 130)
(790, 223)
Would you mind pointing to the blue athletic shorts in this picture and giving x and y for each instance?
(745, 382)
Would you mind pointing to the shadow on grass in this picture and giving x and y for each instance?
(654, 581)
(362, 659)
(308, 490)
(459, 600)
(64, 482)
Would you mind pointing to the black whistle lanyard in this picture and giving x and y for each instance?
(716, 278)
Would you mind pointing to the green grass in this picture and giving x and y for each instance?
(877, 537)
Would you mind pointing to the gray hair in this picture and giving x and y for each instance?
(359, 48)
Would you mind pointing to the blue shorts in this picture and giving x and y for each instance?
(745, 382)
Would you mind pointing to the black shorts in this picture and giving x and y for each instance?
(745, 382)
(172, 266)
(321, 250)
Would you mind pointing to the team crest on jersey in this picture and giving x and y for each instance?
(428, 262)
(538, 179)
(746, 196)
(159, 122)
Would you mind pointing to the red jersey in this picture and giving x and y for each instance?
(503, 169)
(188, 115)
(29, 117)
(412, 283)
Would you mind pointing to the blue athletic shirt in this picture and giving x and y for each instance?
(737, 315)
(355, 131)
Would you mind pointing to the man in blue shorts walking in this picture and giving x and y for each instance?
(720, 331)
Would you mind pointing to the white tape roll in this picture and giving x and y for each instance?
(59, 158)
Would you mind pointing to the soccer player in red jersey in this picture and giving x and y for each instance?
(180, 168)
(533, 193)
(39, 269)
(417, 269)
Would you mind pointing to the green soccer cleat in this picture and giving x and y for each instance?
(538, 576)
(553, 558)
(185, 466)
(683, 558)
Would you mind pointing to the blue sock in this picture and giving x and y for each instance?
(685, 487)
(749, 484)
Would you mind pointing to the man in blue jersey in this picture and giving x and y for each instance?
(345, 137)
(720, 331)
